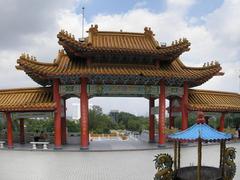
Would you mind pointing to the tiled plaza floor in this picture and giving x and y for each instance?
(116, 165)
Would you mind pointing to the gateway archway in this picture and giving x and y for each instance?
(108, 64)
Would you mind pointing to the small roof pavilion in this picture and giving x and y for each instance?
(199, 132)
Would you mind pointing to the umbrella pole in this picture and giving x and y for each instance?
(178, 152)
(199, 159)
(221, 155)
(223, 151)
(175, 155)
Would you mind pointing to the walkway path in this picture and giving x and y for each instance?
(127, 165)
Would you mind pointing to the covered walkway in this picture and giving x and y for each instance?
(35, 100)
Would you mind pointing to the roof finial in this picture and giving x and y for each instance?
(200, 117)
(93, 29)
(148, 31)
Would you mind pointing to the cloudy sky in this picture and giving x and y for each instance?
(212, 27)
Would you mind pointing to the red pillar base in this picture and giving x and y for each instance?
(9, 130)
(84, 115)
(57, 115)
(161, 122)
(221, 126)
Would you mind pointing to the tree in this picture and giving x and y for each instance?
(41, 125)
(73, 126)
(99, 122)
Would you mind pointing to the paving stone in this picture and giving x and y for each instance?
(123, 165)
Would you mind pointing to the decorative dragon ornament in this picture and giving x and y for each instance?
(163, 164)
(229, 165)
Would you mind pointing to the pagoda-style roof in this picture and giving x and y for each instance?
(115, 44)
(174, 73)
(27, 99)
(202, 131)
(213, 101)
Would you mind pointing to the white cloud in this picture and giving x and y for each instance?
(224, 23)
(179, 6)
(70, 21)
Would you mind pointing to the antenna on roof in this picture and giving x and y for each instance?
(83, 21)
(239, 81)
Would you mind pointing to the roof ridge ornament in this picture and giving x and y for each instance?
(212, 63)
(61, 53)
(70, 36)
(180, 41)
(148, 32)
(28, 57)
(93, 29)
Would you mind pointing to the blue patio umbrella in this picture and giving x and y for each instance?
(202, 131)
(199, 132)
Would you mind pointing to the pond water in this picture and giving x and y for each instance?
(127, 165)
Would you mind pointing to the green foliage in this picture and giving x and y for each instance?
(101, 123)
(73, 126)
(32, 125)
(98, 123)
(131, 122)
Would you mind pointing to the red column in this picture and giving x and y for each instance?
(63, 122)
(221, 126)
(9, 130)
(21, 125)
(162, 108)
(171, 118)
(151, 121)
(84, 114)
(184, 104)
(57, 121)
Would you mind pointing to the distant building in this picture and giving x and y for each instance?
(114, 115)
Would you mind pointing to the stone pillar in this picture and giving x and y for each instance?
(162, 108)
(57, 114)
(84, 114)
(151, 121)
(21, 131)
(184, 109)
(9, 130)
(63, 121)
(221, 124)
(171, 118)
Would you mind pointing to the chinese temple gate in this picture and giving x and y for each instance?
(117, 64)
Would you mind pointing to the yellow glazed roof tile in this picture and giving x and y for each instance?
(122, 42)
(27, 99)
(213, 101)
(63, 66)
